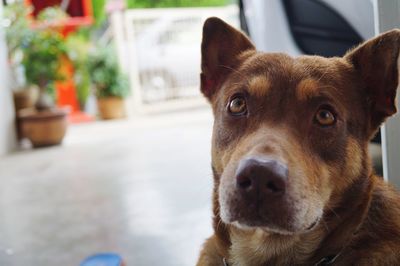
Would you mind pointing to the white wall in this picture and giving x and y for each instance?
(7, 128)
(268, 22)
(387, 16)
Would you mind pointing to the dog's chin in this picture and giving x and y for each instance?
(275, 229)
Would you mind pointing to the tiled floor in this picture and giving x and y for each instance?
(140, 188)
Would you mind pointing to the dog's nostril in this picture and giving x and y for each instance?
(244, 182)
(271, 186)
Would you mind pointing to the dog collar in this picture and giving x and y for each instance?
(328, 260)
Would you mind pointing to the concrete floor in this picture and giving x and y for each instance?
(140, 188)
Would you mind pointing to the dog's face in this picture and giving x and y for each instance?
(290, 134)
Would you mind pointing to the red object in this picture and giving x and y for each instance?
(81, 14)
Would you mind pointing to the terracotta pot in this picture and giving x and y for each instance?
(25, 98)
(44, 128)
(111, 107)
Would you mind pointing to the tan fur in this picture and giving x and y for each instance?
(259, 85)
(307, 88)
(353, 159)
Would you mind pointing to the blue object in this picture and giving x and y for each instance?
(103, 259)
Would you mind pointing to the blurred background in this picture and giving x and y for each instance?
(104, 135)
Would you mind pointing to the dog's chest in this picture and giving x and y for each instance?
(255, 248)
(260, 248)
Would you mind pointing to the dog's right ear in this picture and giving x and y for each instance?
(220, 50)
(377, 63)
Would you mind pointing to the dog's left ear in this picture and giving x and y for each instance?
(221, 48)
(376, 61)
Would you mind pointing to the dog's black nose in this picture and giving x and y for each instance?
(261, 176)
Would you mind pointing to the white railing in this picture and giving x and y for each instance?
(160, 50)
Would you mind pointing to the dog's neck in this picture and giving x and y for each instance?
(337, 228)
(346, 220)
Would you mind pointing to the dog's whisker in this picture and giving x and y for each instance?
(325, 225)
(236, 71)
(330, 209)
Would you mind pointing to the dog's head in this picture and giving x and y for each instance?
(291, 134)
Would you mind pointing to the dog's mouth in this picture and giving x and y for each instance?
(284, 219)
(271, 218)
(275, 229)
(313, 225)
(266, 229)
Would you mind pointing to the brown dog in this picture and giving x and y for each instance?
(293, 183)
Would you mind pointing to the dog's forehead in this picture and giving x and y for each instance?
(304, 76)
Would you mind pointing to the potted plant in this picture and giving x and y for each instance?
(45, 125)
(111, 86)
(17, 33)
(42, 51)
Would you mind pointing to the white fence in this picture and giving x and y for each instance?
(160, 50)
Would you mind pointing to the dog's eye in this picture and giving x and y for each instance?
(237, 106)
(325, 117)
